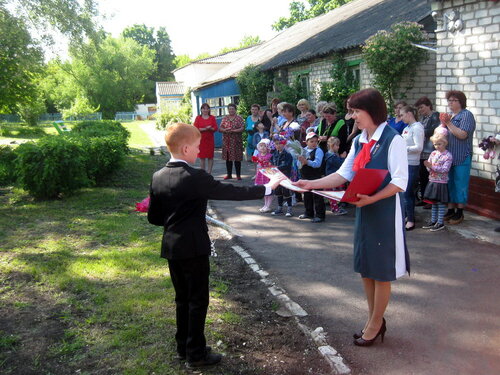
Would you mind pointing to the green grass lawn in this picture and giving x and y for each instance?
(138, 138)
(82, 286)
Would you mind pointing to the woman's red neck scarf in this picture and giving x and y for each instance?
(364, 156)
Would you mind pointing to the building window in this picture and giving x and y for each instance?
(218, 105)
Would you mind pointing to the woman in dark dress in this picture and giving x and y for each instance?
(380, 253)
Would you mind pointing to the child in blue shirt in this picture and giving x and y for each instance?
(283, 160)
(311, 170)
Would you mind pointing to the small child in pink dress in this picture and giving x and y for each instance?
(263, 160)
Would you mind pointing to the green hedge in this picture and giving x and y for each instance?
(52, 166)
(87, 155)
(7, 166)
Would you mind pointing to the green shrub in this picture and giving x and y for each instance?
(103, 155)
(100, 128)
(7, 166)
(52, 166)
(170, 114)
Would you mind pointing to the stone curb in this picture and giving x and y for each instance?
(291, 308)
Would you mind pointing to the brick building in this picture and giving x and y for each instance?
(468, 59)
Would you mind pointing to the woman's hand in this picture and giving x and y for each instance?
(364, 200)
(322, 138)
(304, 184)
(427, 164)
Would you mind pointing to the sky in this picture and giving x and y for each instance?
(197, 26)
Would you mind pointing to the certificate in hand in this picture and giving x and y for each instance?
(366, 181)
(286, 183)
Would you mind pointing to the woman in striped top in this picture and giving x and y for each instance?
(461, 125)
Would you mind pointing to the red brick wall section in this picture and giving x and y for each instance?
(482, 198)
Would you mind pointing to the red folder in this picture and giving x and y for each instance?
(366, 181)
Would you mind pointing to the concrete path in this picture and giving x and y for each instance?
(444, 319)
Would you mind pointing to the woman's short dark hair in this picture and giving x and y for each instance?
(275, 101)
(255, 106)
(288, 108)
(371, 101)
(458, 95)
(232, 105)
(205, 105)
(411, 109)
(425, 101)
(312, 111)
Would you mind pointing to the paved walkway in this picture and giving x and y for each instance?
(444, 319)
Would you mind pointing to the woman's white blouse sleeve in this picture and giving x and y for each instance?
(398, 162)
(345, 169)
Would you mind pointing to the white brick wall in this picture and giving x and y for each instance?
(469, 61)
(424, 85)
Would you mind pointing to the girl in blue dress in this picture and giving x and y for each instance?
(380, 252)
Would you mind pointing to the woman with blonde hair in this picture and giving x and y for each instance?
(303, 106)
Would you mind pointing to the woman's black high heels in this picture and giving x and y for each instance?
(381, 332)
(359, 334)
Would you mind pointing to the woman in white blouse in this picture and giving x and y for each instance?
(414, 136)
(380, 252)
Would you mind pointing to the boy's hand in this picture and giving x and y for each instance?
(302, 160)
(275, 181)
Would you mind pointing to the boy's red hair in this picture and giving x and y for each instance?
(179, 134)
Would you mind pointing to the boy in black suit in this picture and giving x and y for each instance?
(179, 195)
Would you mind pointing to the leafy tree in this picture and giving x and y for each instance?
(164, 57)
(299, 12)
(21, 58)
(291, 93)
(391, 56)
(74, 19)
(79, 108)
(343, 83)
(20, 62)
(31, 110)
(112, 75)
(247, 41)
(254, 86)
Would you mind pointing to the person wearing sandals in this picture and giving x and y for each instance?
(380, 252)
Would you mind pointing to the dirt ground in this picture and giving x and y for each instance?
(262, 342)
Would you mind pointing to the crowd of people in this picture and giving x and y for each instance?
(311, 143)
(316, 149)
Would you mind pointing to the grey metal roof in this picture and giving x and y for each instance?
(170, 88)
(342, 28)
(224, 58)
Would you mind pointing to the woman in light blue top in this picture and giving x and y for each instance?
(250, 123)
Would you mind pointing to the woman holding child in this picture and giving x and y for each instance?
(380, 253)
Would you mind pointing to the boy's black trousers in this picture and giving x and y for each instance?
(314, 205)
(190, 279)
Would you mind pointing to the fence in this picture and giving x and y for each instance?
(125, 116)
(51, 117)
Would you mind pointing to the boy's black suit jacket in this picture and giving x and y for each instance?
(178, 202)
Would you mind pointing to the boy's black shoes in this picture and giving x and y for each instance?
(182, 357)
(209, 360)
